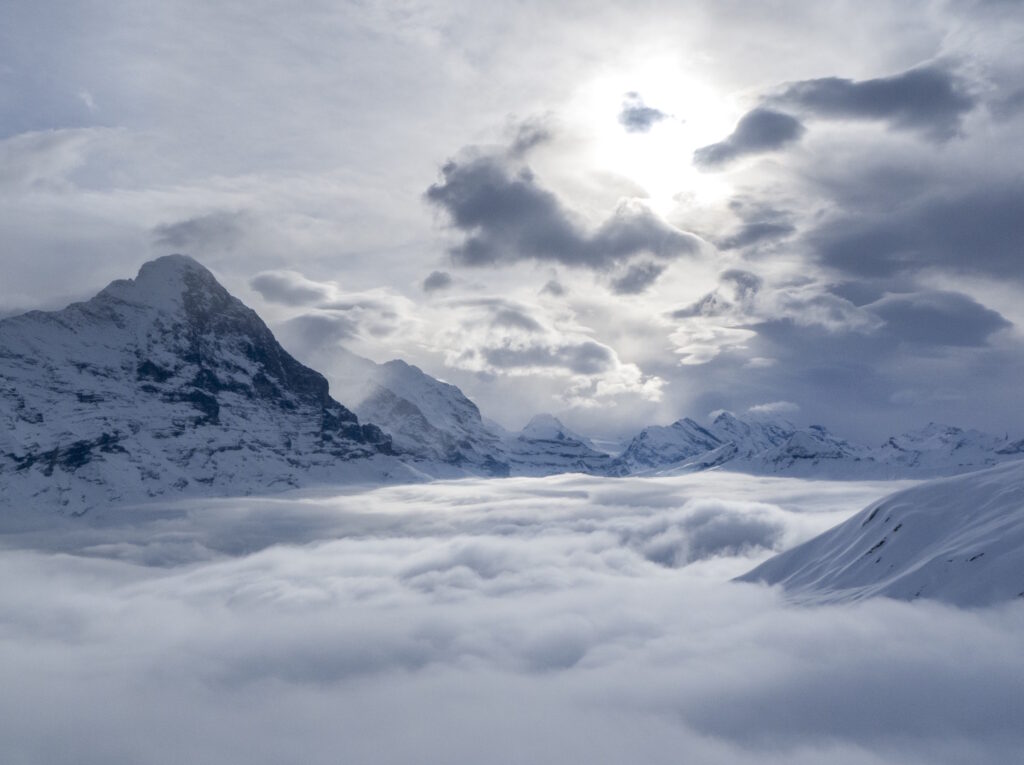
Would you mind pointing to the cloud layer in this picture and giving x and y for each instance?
(571, 618)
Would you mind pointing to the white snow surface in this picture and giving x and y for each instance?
(959, 540)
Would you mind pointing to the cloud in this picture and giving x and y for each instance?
(774, 407)
(506, 216)
(515, 319)
(219, 230)
(937, 318)
(637, 278)
(584, 358)
(317, 330)
(933, 230)
(929, 100)
(759, 131)
(437, 280)
(636, 117)
(573, 618)
(553, 287)
(291, 288)
(755, 233)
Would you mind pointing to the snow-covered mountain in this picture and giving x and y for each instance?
(942, 449)
(658, 446)
(166, 384)
(959, 540)
(546, 447)
(432, 423)
(767, 445)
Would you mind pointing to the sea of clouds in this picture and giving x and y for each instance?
(565, 619)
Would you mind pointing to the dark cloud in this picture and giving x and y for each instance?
(515, 319)
(438, 280)
(506, 216)
(636, 117)
(584, 358)
(290, 288)
(929, 99)
(755, 233)
(553, 287)
(214, 231)
(637, 278)
(937, 318)
(759, 130)
(1008, 106)
(317, 330)
(976, 229)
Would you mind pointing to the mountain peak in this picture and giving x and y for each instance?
(159, 383)
(165, 283)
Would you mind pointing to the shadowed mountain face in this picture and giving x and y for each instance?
(165, 384)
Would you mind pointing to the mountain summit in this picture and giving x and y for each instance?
(164, 384)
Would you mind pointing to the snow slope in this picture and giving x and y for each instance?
(959, 540)
(167, 384)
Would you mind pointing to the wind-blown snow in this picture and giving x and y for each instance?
(563, 619)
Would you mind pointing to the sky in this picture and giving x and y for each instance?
(622, 214)
(564, 619)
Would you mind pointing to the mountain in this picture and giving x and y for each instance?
(814, 452)
(167, 384)
(765, 445)
(658, 446)
(751, 436)
(940, 449)
(959, 540)
(432, 423)
(546, 447)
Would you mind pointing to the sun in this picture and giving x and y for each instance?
(658, 160)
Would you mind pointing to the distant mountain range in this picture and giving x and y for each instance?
(166, 384)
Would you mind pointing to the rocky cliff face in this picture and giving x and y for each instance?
(166, 384)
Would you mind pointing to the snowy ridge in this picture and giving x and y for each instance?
(960, 540)
(771, 446)
(167, 384)
(546, 447)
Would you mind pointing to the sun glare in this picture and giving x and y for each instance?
(658, 159)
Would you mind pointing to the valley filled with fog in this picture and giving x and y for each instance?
(562, 619)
